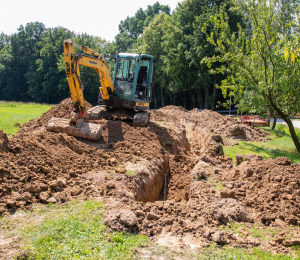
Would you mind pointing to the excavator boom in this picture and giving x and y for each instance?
(96, 62)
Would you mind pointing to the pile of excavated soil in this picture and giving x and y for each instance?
(220, 127)
(270, 188)
(46, 166)
(61, 110)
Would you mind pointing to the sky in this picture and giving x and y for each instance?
(95, 17)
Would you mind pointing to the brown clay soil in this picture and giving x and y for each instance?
(204, 191)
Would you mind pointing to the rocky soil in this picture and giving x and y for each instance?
(169, 179)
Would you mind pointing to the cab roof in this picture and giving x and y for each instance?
(132, 55)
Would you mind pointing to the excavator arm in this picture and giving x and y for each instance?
(96, 62)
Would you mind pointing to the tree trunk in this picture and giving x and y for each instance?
(293, 133)
(206, 97)
(162, 97)
(200, 98)
(154, 96)
(268, 117)
(193, 100)
(214, 92)
(184, 99)
(288, 122)
(174, 99)
(274, 123)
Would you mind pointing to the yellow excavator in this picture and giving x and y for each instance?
(126, 95)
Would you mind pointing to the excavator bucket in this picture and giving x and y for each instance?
(141, 119)
(80, 129)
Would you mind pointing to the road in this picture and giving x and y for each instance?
(296, 122)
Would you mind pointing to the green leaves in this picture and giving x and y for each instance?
(132, 27)
(263, 70)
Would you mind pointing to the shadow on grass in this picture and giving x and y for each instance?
(266, 152)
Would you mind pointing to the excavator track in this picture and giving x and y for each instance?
(141, 119)
(93, 131)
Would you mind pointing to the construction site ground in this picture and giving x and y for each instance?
(165, 191)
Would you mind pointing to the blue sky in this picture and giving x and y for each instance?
(95, 17)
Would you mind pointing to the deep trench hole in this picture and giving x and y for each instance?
(177, 180)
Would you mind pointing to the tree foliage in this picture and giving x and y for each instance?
(185, 46)
(32, 65)
(258, 76)
(132, 27)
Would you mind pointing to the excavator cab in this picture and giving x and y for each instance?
(133, 79)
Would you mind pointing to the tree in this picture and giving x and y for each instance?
(46, 82)
(186, 45)
(19, 54)
(258, 76)
(5, 61)
(132, 27)
(151, 42)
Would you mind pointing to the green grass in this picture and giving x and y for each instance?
(17, 112)
(262, 233)
(74, 231)
(130, 172)
(281, 145)
(216, 252)
(218, 184)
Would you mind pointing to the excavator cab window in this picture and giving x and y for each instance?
(125, 75)
(143, 80)
(126, 69)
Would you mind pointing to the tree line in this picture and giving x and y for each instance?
(205, 50)
(32, 66)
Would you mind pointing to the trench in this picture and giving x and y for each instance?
(170, 178)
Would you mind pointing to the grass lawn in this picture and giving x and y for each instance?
(69, 231)
(281, 145)
(17, 112)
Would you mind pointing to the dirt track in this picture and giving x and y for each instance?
(128, 167)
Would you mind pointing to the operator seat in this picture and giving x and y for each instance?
(142, 73)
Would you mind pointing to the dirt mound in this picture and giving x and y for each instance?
(221, 128)
(269, 187)
(172, 109)
(3, 141)
(61, 110)
(225, 126)
(168, 113)
(36, 163)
